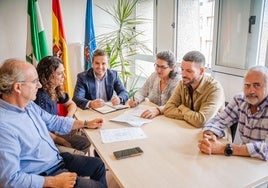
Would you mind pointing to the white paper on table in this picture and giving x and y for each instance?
(138, 110)
(121, 134)
(131, 119)
(132, 116)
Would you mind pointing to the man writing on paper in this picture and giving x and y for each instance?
(96, 86)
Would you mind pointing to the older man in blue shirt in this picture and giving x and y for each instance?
(28, 155)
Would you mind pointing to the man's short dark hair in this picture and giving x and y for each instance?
(99, 52)
(195, 56)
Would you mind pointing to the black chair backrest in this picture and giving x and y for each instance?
(233, 127)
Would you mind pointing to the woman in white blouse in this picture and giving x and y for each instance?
(159, 86)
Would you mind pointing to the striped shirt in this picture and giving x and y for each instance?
(252, 128)
(151, 90)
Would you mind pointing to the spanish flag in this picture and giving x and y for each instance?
(36, 44)
(59, 44)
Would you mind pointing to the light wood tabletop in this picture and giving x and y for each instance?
(171, 157)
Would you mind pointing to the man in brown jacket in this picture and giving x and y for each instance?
(198, 97)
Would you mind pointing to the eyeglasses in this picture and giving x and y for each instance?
(255, 85)
(35, 81)
(160, 67)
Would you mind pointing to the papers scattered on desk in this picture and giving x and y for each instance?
(108, 107)
(132, 117)
(131, 120)
(121, 134)
(138, 110)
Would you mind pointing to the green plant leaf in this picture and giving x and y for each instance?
(121, 43)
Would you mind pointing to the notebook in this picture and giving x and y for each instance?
(108, 107)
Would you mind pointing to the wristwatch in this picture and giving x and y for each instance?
(228, 151)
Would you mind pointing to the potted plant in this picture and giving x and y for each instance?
(121, 43)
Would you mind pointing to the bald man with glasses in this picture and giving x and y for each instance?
(29, 157)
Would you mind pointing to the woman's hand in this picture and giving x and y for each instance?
(150, 113)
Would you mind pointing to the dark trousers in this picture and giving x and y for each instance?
(85, 166)
(78, 142)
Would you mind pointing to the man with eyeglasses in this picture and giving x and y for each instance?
(249, 110)
(29, 157)
(198, 96)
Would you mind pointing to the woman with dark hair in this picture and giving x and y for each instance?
(51, 75)
(159, 86)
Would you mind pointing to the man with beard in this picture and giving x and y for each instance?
(250, 111)
(198, 97)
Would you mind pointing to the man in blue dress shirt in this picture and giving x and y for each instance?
(97, 85)
(29, 157)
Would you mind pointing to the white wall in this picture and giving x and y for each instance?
(232, 85)
(13, 23)
(13, 28)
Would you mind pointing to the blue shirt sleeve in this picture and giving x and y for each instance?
(26, 147)
(11, 172)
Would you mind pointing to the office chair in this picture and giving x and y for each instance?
(233, 127)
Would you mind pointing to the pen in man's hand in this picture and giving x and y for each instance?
(133, 97)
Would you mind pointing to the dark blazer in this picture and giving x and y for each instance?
(85, 88)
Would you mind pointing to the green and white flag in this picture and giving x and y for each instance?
(36, 46)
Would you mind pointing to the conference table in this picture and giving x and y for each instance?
(171, 157)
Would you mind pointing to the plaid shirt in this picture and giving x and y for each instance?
(252, 128)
